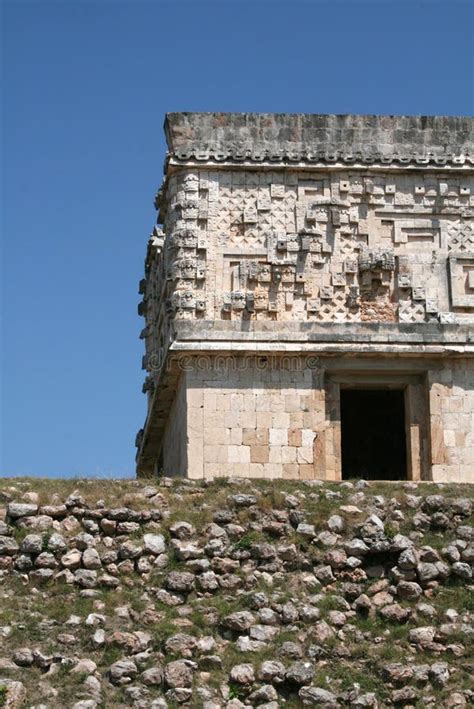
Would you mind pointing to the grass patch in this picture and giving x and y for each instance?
(366, 677)
(389, 652)
(454, 595)
(109, 654)
(193, 512)
(378, 625)
(330, 603)
(236, 691)
(252, 537)
(225, 605)
(433, 539)
(19, 533)
(91, 489)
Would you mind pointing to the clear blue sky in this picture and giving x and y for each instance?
(86, 87)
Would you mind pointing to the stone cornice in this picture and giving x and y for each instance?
(320, 140)
(277, 334)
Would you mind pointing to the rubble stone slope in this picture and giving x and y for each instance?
(233, 594)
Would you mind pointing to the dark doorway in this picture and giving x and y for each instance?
(373, 434)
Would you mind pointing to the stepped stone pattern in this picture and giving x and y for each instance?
(233, 594)
(335, 244)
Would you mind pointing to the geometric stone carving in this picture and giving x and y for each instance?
(376, 260)
(461, 236)
(421, 230)
(461, 279)
(183, 299)
(353, 297)
(282, 244)
(418, 293)
(411, 312)
(304, 239)
(404, 281)
(431, 306)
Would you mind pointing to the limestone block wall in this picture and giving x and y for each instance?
(248, 420)
(451, 395)
(279, 417)
(174, 457)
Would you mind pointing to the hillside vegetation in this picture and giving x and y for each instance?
(232, 594)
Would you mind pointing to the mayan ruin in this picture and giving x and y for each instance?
(309, 299)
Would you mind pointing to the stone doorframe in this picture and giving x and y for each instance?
(417, 429)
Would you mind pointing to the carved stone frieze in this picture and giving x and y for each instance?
(291, 245)
(376, 260)
(461, 236)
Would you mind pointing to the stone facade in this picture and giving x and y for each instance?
(302, 256)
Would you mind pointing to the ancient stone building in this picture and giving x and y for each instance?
(309, 303)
